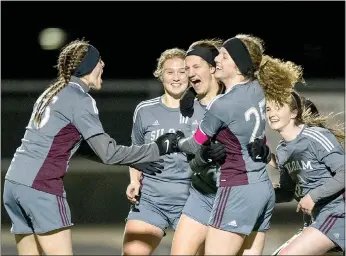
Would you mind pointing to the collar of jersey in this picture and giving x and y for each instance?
(298, 136)
(236, 85)
(76, 82)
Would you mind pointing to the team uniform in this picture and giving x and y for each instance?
(34, 195)
(162, 196)
(245, 197)
(203, 187)
(309, 161)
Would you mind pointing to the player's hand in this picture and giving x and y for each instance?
(259, 151)
(180, 135)
(213, 153)
(187, 101)
(167, 143)
(306, 204)
(132, 192)
(150, 168)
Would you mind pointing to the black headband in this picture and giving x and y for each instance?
(205, 53)
(88, 63)
(297, 101)
(240, 55)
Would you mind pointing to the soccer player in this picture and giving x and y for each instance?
(63, 116)
(192, 227)
(162, 197)
(310, 158)
(245, 196)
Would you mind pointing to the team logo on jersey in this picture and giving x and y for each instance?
(195, 122)
(294, 166)
(156, 123)
(183, 119)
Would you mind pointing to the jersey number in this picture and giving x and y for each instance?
(45, 115)
(258, 117)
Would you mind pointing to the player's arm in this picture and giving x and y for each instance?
(135, 175)
(209, 126)
(285, 192)
(328, 151)
(137, 137)
(210, 154)
(86, 120)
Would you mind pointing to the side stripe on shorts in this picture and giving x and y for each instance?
(62, 211)
(329, 223)
(220, 209)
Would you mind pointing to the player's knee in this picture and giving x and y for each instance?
(284, 251)
(137, 247)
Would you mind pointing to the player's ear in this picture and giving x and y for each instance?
(294, 114)
(212, 69)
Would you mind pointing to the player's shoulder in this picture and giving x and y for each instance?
(281, 146)
(146, 106)
(319, 136)
(218, 102)
(76, 93)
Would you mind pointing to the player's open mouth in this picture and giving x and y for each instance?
(274, 121)
(196, 82)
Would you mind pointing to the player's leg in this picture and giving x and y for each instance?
(56, 242)
(144, 230)
(310, 242)
(254, 243)
(27, 245)
(51, 220)
(188, 237)
(325, 233)
(21, 223)
(191, 231)
(220, 242)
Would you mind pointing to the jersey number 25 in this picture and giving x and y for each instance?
(258, 117)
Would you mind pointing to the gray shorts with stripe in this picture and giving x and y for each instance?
(331, 222)
(33, 211)
(243, 209)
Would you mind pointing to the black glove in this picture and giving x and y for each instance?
(180, 135)
(213, 153)
(150, 168)
(259, 151)
(187, 101)
(167, 143)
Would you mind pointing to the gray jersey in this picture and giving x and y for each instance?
(205, 177)
(309, 161)
(237, 118)
(42, 160)
(151, 119)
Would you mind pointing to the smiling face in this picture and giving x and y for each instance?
(200, 74)
(225, 66)
(280, 118)
(174, 78)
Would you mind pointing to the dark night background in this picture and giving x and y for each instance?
(131, 35)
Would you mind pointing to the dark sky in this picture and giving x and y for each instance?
(131, 35)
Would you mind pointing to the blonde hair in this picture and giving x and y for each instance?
(166, 55)
(276, 77)
(69, 59)
(255, 47)
(305, 116)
